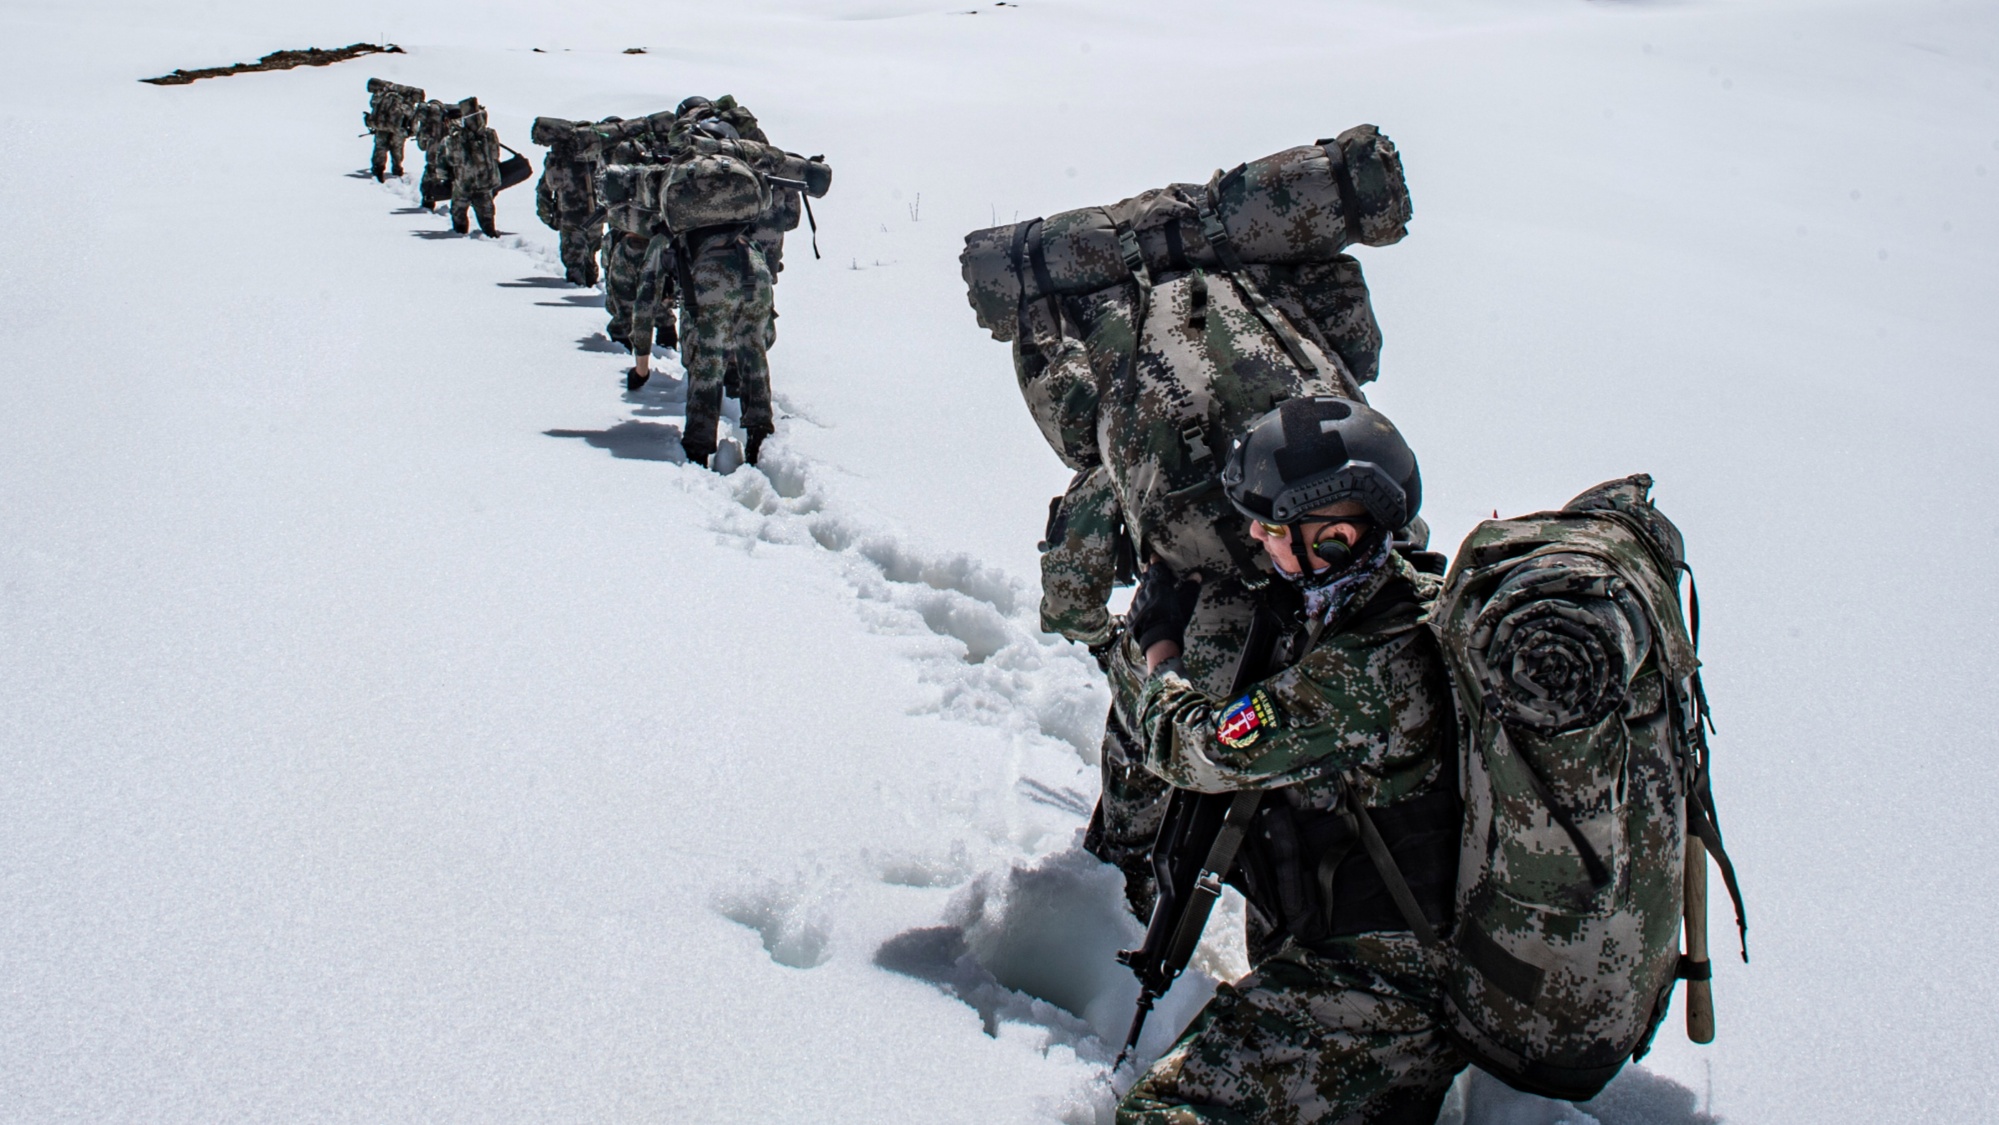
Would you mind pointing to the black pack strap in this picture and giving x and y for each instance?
(1384, 862)
(1037, 259)
(1176, 247)
(1141, 278)
(1508, 973)
(1690, 969)
(1700, 822)
(1599, 875)
(811, 221)
(1336, 159)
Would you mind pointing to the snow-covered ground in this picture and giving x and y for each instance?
(391, 729)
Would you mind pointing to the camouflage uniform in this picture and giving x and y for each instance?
(433, 122)
(1345, 1021)
(634, 265)
(390, 120)
(472, 158)
(1084, 555)
(566, 202)
(724, 308)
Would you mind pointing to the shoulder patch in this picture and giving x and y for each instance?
(1244, 720)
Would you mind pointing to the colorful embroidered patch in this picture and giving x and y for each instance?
(1244, 721)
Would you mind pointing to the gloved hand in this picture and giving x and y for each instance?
(1162, 607)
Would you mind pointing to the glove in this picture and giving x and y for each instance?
(1162, 607)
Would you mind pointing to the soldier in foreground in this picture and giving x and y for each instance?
(1342, 1017)
(472, 160)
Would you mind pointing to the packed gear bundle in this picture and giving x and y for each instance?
(391, 106)
(1298, 207)
(1585, 774)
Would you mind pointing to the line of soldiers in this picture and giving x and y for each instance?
(687, 211)
(462, 161)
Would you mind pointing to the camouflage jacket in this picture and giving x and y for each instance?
(567, 193)
(1369, 702)
(473, 155)
(1080, 561)
(432, 123)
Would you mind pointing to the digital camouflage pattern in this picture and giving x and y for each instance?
(1347, 1033)
(1568, 647)
(1368, 705)
(627, 249)
(1080, 559)
(391, 116)
(472, 158)
(1169, 392)
(1349, 1028)
(566, 202)
(724, 314)
(1290, 208)
(433, 122)
(1130, 805)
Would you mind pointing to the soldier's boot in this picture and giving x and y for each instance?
(634, 378)
(696, 454)
(755, 445)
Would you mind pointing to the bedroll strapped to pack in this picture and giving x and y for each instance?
(1584, 758)
(1300, 206)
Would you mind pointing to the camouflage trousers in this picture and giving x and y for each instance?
(465, 204)
(580, 247)
(724, 318)
(625, 266)
(388, 153)
(1348, 1034)
(1129, 808)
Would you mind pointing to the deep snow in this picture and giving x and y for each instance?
(392, 729)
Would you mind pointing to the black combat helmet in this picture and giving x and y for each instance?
(1313, 452)
(695, 102)
(719, 129)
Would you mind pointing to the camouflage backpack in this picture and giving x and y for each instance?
(711, 190)
(1585, 770)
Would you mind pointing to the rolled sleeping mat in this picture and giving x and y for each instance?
(1298, 206)
(551, 131)
(382, 85)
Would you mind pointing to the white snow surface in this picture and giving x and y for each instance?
(392, 729)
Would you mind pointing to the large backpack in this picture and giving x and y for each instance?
(712, 189)
(1584, 761)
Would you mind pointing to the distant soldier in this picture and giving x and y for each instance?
(433, 121)
(566, 198)
(472, 157)
(718, 192)
(391, 116)
(628, 248)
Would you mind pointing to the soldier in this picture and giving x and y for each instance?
(433, 121)
(390, 117)
(725, 299)
(1342, 1017)
(566, 200)
(472, 160)
(639, 279)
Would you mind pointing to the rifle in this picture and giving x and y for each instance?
(1193, 855)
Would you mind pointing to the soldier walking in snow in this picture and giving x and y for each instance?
(471, 152)
(433, 123)
(390, 117)
(566, 198)
(1342, 1017)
